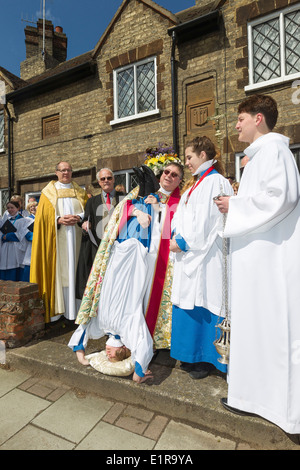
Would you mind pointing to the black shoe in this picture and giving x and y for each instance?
(201, 370)
(186, 366)
(234, 410)
(198, 374)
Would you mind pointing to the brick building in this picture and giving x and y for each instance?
(183, 76)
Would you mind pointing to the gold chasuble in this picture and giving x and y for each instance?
(43, 269)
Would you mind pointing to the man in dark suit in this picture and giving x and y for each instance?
(96, 216)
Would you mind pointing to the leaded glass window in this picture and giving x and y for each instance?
(145, 87)
(125, 93)
(4, 198)
(266, 51)
(126, 178)
(292, 42)
(274, 48)
(135, 91)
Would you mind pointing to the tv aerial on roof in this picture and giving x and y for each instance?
(43, 11)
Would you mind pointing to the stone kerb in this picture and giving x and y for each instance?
(22, 314)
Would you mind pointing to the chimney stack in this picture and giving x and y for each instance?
(55, 49)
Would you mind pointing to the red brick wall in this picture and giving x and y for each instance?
(22, 314)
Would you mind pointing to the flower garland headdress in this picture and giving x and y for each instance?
(157, 158)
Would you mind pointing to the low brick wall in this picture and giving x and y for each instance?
(22, 314)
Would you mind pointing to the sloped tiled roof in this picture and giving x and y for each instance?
(62, 67)
(196, 11)
(193, 12)
(14, 81)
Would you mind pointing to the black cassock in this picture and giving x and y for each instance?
(98, 215)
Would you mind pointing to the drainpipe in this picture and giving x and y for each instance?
(9, 159)
(173, 78)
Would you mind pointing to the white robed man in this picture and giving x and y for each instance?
(264, 226)
(128, 288)
(56, 244)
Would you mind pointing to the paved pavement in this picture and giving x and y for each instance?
(49, 401)
(43, 414)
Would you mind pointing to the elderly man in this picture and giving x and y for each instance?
(56, 243)
(96, 216)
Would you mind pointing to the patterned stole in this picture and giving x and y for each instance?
(66, 192)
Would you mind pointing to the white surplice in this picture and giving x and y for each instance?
(12, 253)
(67, 253)
(197, 279)
(264, 225)
(26, 260)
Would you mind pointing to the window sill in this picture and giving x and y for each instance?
(132, 118)
(274, 81)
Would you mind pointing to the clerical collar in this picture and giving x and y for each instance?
(162, 190)
(163, 195)
(204, 167)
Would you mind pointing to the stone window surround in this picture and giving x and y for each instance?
(154, 48)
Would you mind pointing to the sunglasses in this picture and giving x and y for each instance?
(108, 178)
(171, 173)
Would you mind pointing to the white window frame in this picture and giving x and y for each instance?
(136, 115)
(2, 144)
(128, 174)
(31, 194)
(283, 77)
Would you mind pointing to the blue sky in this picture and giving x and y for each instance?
(83, 21)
